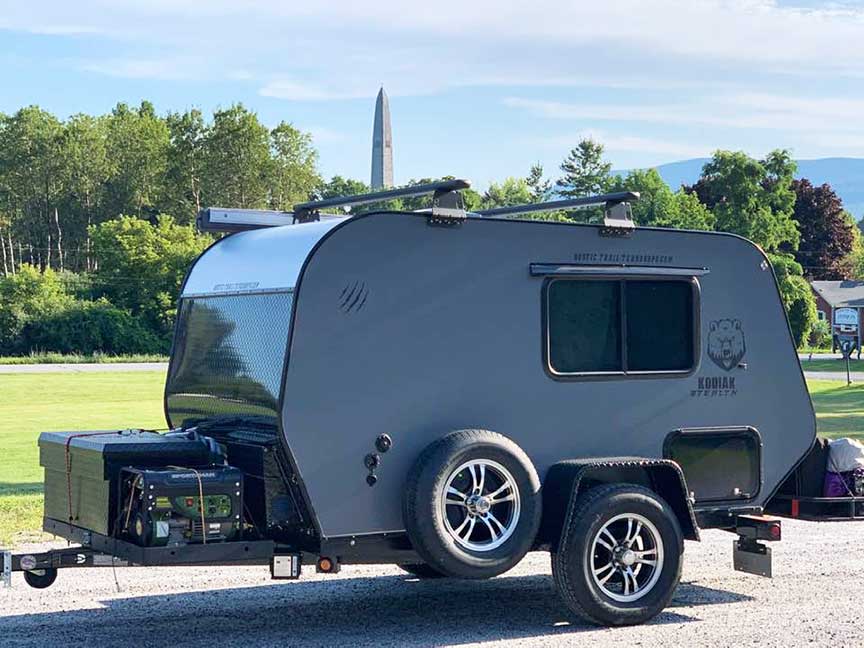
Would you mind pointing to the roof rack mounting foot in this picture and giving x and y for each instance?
(448, 208)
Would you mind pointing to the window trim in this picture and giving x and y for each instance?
(622, 278)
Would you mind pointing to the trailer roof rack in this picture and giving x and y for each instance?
(438, 189)
(618, 212)
(446, 206)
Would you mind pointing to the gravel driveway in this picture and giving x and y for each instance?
(816, 598)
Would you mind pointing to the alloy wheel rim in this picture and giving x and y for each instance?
(626, 557)
(480, 505)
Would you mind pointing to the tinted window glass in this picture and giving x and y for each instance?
(584, 326)
(659, 325)
(228, 359)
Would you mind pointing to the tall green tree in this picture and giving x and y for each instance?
(186, 156)
(237, 164)
(658, 206)
(87, 170)
(827, 233)
(138, 143)
(294, 171)
(585, 171)
(752, 198)
(32, 180)
(541, 188)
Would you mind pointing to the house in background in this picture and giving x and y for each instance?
(841, 303)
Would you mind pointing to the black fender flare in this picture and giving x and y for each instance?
(565, 481)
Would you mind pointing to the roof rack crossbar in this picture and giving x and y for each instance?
(378, 196)
(605, 200)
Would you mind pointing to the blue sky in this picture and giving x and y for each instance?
(480, 89)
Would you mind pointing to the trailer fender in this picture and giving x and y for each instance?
(566, 480)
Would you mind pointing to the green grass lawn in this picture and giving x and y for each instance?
(835, 364)
(32, 403)
(77, 358)
(839, 409)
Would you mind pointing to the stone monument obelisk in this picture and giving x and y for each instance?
(382, 144)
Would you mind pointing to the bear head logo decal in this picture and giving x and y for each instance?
(726, 343)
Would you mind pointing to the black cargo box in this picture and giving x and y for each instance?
(94, 463)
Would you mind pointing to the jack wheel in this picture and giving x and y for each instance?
(41, 578)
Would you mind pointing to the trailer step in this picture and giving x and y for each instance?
(748, 554)
(751, 557)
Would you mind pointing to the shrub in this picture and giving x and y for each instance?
(89, 327)
(797, 297)
(820, 334)
(142, 265)
(28, 296)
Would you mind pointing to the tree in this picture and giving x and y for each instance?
(183, 196)
(31, 178)
(138, 143)
(142, 265)
(827, 233)
(28, 295)
(687, 212)
(339, 186)
(237, 167)
(540, 189)
(797, 297)
(511, 191)
(751, 198)
(853, 264)
(585, 171)
(86, 170)
(294, 172)
(658, 206)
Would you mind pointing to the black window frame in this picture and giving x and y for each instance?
(623, 279)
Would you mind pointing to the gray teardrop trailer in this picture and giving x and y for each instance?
(448, 391)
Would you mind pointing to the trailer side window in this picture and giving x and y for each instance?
(659, 325)
(620, 326)
(585, 326)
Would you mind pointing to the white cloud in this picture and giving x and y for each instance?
(745, 67)
(133, 68)
(457, 43)
(761, 111)
(616, 143)
(297, 91)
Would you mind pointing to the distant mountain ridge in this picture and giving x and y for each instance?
(845, 175)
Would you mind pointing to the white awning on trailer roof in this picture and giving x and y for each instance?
(262, 259)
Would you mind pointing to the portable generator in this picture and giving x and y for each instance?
(178, 506)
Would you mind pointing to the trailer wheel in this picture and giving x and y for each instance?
(619, 559)
(41, 578)
(422, 570)
(472, 504)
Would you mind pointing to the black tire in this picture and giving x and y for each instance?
(41, 578)
(575, 556)
(422, 570)
(424, 512)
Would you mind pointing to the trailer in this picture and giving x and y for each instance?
(447, 391)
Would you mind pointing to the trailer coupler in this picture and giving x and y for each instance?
(40, 569)
(749, 555)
